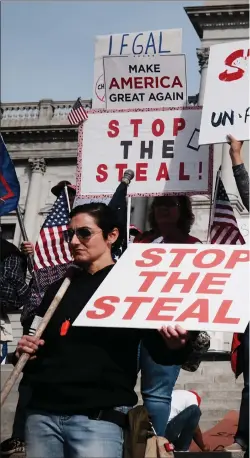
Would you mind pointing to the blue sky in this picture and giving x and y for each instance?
(47, 48)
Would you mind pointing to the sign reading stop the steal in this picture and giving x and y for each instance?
(200, 287)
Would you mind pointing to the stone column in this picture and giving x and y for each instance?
(203, 56)
(38, 168)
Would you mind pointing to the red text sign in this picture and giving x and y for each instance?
(193, 286)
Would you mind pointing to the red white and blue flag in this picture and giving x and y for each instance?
(51, 248)
(224, 227)
(78, 114)
(9, 184)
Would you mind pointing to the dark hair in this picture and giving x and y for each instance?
(186, 219)
(9, 249)
(104, 216)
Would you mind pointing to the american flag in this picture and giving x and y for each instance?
(224, 227)
(51, 249)
(78, 114)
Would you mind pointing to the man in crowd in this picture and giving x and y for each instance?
(14, 294)
(183, 423)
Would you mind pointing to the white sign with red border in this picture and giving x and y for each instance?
(159, 145)
(162, 42)
(226, 107)
(151, 82)
(200, 287)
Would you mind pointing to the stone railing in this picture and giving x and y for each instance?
(43, 113)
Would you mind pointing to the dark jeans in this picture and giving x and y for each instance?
(242, 434)
(18, 430)
(180, 429)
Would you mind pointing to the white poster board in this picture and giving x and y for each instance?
(160, 42)
(160, 146)
(151, 82)
(191, 285)
(226, 107)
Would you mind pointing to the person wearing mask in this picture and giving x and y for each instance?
(170, 219)
(183, 424)
(240, 344)
(14, 294)
(16, 443)
(83, 378)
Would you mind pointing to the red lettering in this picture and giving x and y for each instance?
(199, 310)
(150, 278)
(174, 279)
(141, 171)
(238, 256)
(153, 255)
(163, 172)
(176, 82)
(179, 124)
(128, 82)
(138, 82)
(160, 306)
(182, 175)
(199, 258)
(210, 280)
(230, 62)
(149, 82)
(121, 169)
(114, 83)
(135, 304)
(162, 82)
(114, 128)
(181, 253)
(136, 123)
(102, 173)
(221, 317)
(158, 127)
(105, 307)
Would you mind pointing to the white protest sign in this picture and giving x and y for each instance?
(160, 146)
(226, 107)
(190, 285)
(150, 82)
(160, 42)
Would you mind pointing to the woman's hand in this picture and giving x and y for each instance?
(28, 344)
(175, 338)
(27, 248)
(235, 150)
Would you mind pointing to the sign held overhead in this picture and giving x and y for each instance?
(226, 107)
(161, 146)
(150, 82)
(162, 42)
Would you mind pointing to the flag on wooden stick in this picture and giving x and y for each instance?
(51, 248)
(224, 228)
(78, 114)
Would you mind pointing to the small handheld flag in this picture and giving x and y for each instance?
(9, 184)
(224, 227)
(78, 114)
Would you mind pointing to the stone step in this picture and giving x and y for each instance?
(205, 425)
(230, 404)
(205, 387)
(214, 413)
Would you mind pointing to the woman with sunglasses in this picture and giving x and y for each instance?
(170, 219)
(83, 378)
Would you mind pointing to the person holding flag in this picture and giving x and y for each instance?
(240, 343)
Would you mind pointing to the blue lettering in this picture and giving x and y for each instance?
(161, 51)
(149, 44)
(110, 44)
(123, 45)
(138, 46)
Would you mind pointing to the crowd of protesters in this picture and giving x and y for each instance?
(79, 384)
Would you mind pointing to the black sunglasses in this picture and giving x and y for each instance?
(82, 233)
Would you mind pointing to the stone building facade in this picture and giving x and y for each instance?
(43, 145)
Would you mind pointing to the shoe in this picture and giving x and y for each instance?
(235, 447)
(12, 445)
